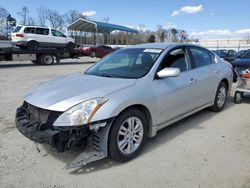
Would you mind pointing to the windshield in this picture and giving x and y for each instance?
(221, 53)
(126, 63)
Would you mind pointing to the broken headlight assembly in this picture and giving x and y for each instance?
(80, 114)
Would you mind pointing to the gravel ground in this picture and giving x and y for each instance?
(205, 150)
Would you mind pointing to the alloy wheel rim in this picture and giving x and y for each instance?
(130, 135)
(221, 98)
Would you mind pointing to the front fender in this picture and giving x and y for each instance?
(123, 99)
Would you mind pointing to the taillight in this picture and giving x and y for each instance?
(19, 35)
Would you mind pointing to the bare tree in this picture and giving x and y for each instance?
(3, 15)
(30, 21)
(24, 14)
(151, 38)
(174, 33)
(42, 15)
(7, 22)
(160, 33)
(56, 20)
(71, 16)
(105, 19)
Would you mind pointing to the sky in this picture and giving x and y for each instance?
(200, 18)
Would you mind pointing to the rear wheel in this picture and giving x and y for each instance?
(127, 135)
(220, 97)
(92, 54)
(47, 59)
(32, 45)
(238, 97)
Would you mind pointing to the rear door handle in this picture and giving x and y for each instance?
(191, 81)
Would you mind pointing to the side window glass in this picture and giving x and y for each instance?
(213, 58)
(30, 30)
(176, 59)
(57, 33)
(42, 31)
(201, 57)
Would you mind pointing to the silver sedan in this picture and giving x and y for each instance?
(124, 98)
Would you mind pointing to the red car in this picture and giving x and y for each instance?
(95, 50)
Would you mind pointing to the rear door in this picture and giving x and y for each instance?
(30, 33)
(42, 36)
(207, 73)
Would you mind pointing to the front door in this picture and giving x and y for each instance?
(175, 96)
(57, 38)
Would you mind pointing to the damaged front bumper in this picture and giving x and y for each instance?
(37, 125)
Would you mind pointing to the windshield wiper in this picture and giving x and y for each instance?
(104, 75)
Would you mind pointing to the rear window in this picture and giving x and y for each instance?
(42, 31)
(17, 29)
(30, 30)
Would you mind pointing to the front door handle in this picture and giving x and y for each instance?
(217, 71)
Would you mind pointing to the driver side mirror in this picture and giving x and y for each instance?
(168, 72)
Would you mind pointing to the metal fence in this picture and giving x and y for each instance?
(235, 44)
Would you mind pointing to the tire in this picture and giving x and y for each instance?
(32, 45)
(238, 97)
(220, 97)
(125, 136)
(47, 59)
(70, 46)
(92, 54)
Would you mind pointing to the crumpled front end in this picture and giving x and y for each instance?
(37, 125)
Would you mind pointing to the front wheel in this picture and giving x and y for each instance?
(220, 97)
(127, 135)
(70, 46)
(92, 54)
(32, 45)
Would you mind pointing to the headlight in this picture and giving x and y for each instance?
(80, 114)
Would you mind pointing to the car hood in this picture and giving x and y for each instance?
(241, 63)
(62, 93)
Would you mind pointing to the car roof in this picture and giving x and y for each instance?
(163, 45)
(34, 26)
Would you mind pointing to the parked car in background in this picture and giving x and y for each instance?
(95, 50)
(242, 63)
(241, 52)
(32, 37)
(228, 55)
(125, 97)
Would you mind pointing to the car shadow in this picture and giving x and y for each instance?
(170, 132)
(18, 65)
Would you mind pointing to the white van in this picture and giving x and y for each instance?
(32, 37)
